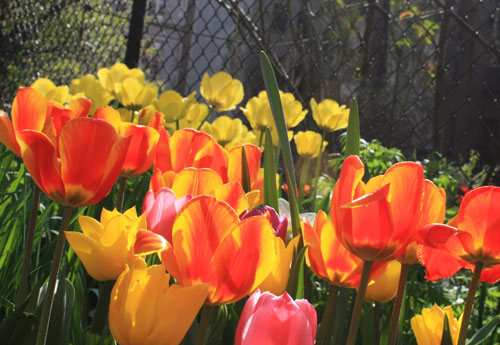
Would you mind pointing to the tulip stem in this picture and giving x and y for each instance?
(121, 194)
(101, 311)
(303, 175)
(358, 304)
(393, 330)
(30, 237)
(54, 271)
(317, 169)
(462, 337)
(206, 313)
(210, 111)
(324, 332)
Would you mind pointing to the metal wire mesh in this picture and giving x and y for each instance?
(426, 73)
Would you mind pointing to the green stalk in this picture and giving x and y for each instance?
(99, 321)
(317, 169)
(30, 238)
(303, 175)
(358, 304)
(121, 194)
(54, 270)
(177, 124)
(393, 330)
(324, 331)
(462, 337)
(206, 314)
(210, 111)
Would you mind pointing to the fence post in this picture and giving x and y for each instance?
(135, 33)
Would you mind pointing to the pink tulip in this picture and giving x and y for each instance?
(271, 320)
(161, 209)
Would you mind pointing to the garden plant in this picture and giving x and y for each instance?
(187, 226)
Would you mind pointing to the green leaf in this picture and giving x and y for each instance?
(295, 287)
(353, 136)
(279, 120)
(270, 188)
(62, 311)
(484, 332)
(446, 338)
(245, 173)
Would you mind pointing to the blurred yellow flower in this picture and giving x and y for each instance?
(134, 95)
(224, 129)
(173, 105)
(428, 327)
(328, 115)
(308, 144)
(194, 115)
(107, 247)
(51, 92)
(384, 288)
(221, 91)
(111, 77)
(258, 111)
(90, 87)
(146, 310)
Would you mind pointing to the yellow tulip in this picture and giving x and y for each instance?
(247, 137)
(384, 288)
(134, 95)
(111, 77)
(90, 87)
(146, 310)
(292, 109)
(194, 115)
(221, 91)
(258, 111)
(308, 144)
(277, 280)
(173, 105)
(224, 129)
(428, 327)
(105, 248)
(329, 115)
(51, 92)
(274, 136)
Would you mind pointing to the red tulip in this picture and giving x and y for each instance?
(270, 320)
(376, 221)
(473, 237)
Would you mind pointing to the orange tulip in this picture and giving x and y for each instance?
(328, 258)
(75, 160)
(376, 222)
(190, 148)
(211, 245)
(473, 239)
(143, 141)
(433, 211)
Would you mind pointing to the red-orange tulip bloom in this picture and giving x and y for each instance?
(476, 237)
(376, 222)
(211, 245)
(196, 182)
(190, 148)
(328, 258)
(143, 141)
(75, 160)
(30, 111)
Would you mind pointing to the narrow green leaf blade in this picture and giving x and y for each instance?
(353, 135)
(295, 287)
(245, 173)
(279, 119)
(484, 332)
(270, 188)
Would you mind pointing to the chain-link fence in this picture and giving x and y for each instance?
(426, 73)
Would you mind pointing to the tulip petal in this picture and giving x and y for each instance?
(253, 154)
(244, 259)
(140, 153)
(7, 135)
(29, 110)
(40, 158)
(148, 242)
(196, 182)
